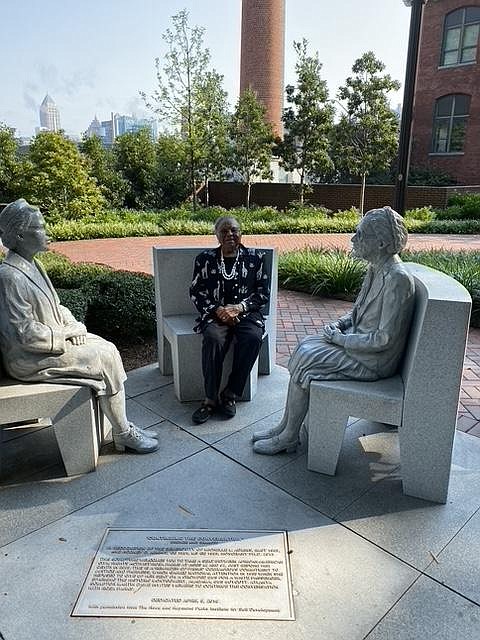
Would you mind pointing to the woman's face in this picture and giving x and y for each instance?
(366, 244)
(33, 239)
(229, 236)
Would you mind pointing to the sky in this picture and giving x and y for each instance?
(94, 56)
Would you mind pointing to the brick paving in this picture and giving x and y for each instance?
(299, 314)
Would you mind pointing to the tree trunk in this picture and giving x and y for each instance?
(207, 193)
(249, 186)
(302, 181)
(362, 194)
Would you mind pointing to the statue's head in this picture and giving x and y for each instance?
(229, 233)
(15, 219)
(381, 232)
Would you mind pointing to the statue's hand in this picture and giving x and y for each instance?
(76, 332)
(334, 335)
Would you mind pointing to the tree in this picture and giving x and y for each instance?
(308, 120)
(9, 164)
(172, 170)
(185, 64)
(100, 163)
(366, 137)
(55, 177)
(252, 139)
(135, 159)
(211, 122)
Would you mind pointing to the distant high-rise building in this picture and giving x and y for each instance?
(263, 54)
(49, 115)
(95, 129)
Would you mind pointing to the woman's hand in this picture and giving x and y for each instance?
(76, 332)
(333, 335)
(229, 314)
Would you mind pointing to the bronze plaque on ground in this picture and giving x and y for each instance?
(189, 573)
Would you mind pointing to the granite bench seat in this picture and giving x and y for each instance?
(71, 409)
(422, 401)
(179, 347)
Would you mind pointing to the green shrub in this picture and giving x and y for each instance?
(76, 300)
(123, 305)
(320, 272)
(469, 204)
(119, 304)
(425, 214)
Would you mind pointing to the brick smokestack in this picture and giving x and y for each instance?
(262, 55)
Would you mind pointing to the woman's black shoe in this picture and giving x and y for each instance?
(229, 408)
(202, 414)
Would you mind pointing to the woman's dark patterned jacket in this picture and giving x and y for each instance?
(251, 285)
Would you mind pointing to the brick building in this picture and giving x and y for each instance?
(446, 124)
(263, 53)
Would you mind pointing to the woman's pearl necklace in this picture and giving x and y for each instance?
(233, 272)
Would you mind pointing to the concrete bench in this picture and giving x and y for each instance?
(71, 409)
(422, 400)
(179, 348)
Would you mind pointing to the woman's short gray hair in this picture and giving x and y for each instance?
(14, 218)
(220, 221)
(389, 227)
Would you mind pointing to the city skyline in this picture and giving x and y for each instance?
(90, 69)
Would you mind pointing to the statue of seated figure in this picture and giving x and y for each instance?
(366, 344)
(41, 341)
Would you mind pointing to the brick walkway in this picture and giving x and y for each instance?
(299, 314)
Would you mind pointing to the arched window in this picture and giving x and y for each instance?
(460, 36)
(449, 123)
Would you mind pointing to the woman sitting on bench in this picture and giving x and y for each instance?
(366, 344)
(41, 341)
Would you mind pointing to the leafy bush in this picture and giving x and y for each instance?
(119, 304)
(76, 301)
(321, 272)
(336, 273)
(469, 204)
(425, 214)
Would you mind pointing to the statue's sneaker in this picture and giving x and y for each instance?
(134, 440)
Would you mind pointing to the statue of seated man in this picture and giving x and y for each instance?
(366, 344)
(41, 341)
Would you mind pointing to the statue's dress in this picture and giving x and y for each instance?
(32, 334)
(376, 331)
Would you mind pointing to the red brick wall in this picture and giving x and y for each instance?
(262, 54)
(333, 196)
(434, 82)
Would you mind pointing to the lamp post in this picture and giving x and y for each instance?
(408, 99)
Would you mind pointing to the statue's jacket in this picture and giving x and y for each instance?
(32, 333)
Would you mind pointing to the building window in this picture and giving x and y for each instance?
(449, 123)
(460, 36)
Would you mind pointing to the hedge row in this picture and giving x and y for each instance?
(264, 220)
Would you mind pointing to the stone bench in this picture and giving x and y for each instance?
(71, 409)
(179, 347)
(422, 400)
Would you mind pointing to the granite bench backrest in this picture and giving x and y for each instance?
(433, 361)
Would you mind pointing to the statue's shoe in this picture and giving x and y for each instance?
(134, 440)
(146, 432)
(266, 434)
(275, 445)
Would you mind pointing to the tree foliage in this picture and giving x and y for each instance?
(308, 120)
(172, 170)
(366, 137)
(100, 163)
(211, 122)
(178, 75)
(135, 159)
(252, 140)
(55, 177)
(9, 164)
